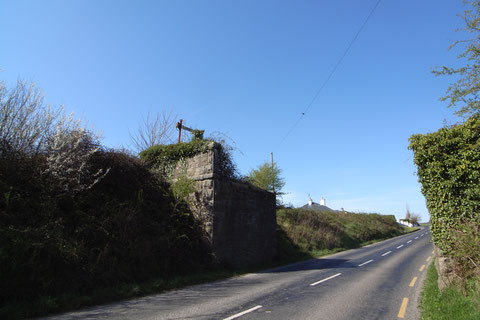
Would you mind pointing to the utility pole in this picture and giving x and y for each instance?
(273, 173)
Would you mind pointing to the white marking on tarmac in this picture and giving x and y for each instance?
(242, 313)
(409, 241)
(365, 263)
(318, 282)
(400, 246)
(388, 252)
(416, 237)
(422, 234)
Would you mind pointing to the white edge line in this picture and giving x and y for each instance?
(242, 313)
(318, 282)
(383, 255)
(400, 246)
(365, 263)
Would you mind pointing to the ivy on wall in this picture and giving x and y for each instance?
(164, 158)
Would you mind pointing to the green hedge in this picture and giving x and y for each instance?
(448, 167)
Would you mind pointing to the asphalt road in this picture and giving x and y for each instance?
(380, 281)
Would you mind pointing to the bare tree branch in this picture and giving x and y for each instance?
(155, 130)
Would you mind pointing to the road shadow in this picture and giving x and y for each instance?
(313, 264)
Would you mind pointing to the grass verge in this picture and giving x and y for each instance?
(450, 303)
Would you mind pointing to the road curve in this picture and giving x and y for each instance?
(379, 281)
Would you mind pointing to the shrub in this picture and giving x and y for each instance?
(67, 160)
(465, 250)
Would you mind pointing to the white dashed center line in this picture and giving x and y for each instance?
(242, 313)
(318, 282)
(365, 263)
(409, 241)
(400, 246)
(388, 252)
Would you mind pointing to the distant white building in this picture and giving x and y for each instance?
(407, 223)
(322, 202)
(316, 206)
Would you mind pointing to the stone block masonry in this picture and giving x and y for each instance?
(240, 219)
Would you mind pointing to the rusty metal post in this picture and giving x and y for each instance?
(179, 127)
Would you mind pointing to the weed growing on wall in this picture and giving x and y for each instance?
(180, 184)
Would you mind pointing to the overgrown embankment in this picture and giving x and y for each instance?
(305, 233)
(76, 218)
(126, 228)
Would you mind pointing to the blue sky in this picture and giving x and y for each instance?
(249, 69)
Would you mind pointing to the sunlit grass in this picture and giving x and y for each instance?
(450, 303)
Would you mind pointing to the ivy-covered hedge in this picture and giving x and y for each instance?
(448, 167)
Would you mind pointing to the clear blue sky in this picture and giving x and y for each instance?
(249, 69)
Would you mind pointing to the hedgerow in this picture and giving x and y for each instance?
(448, 167)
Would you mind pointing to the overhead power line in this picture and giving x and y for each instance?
(331, 73)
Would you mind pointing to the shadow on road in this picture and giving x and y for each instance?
(313, 264)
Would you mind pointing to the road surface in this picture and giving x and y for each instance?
(379, 281)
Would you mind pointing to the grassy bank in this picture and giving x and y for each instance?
(316, 233)
(452, 302)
